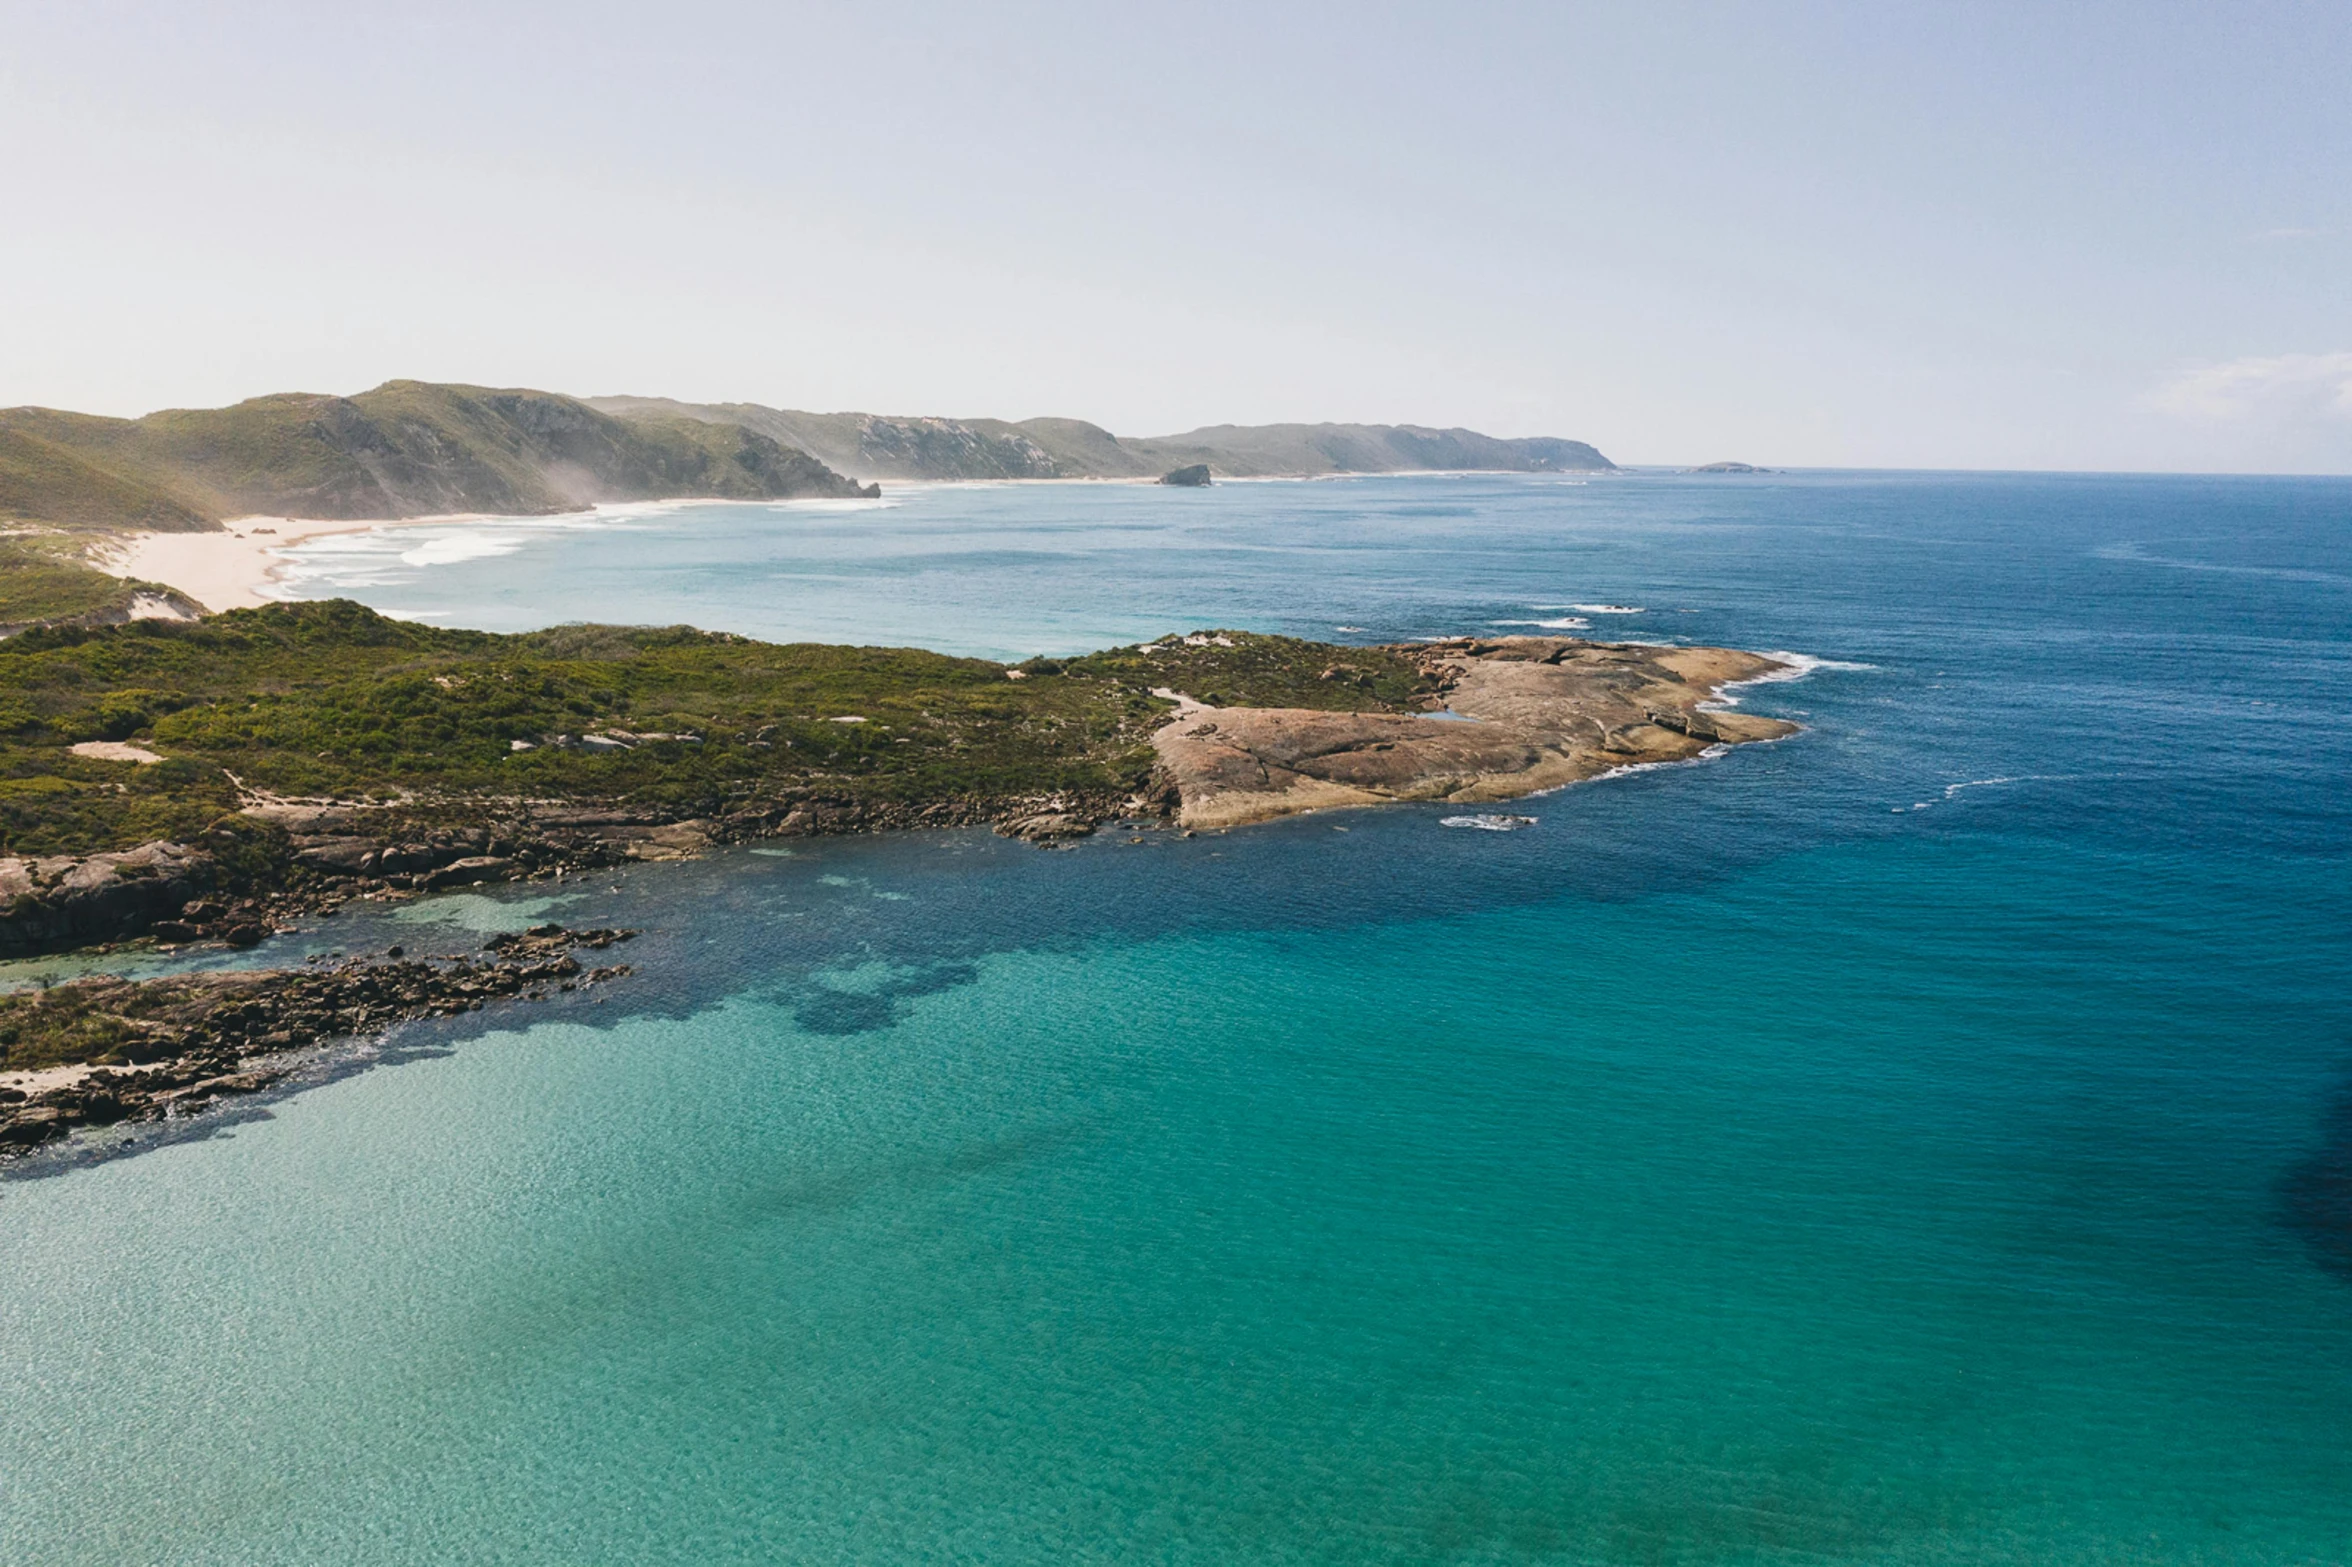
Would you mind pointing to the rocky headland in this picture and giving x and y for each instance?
(1505, 717)
(389, 760)
(386, 761)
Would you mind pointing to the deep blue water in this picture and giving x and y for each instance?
(1928, 1139)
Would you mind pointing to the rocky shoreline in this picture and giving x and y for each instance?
(1501, 717)
(105, 1050)
(1509, 716)
(1497, 718)
(316, 856)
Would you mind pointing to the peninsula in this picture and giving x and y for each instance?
(190, 781)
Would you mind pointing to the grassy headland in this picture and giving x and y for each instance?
(331, 700)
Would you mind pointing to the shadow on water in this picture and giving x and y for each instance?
(2315, 1194)
(846, 1188)
(859, 1004)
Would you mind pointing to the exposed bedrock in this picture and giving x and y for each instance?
(103, 1049)
(63, 900)
(1513, 715)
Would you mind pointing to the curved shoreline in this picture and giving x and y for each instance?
(231, 568)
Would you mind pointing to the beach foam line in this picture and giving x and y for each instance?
(453, 549)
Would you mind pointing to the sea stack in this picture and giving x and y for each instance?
(1195, 477)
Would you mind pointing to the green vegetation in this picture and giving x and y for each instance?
(42, 481)
(406, 449)
(43, 580)
(930, 448)
(106, 1019)
(415, 448)
(1243, 669)
(334, 700)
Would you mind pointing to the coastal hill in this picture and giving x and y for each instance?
(420, 449)
(892, 447)
(405, 449)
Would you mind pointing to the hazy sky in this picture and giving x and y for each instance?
(1967, 235)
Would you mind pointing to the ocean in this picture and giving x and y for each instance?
(1924, 1140)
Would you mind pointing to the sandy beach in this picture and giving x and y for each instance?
(230, 569)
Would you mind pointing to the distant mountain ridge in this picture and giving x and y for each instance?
(405, 449)
(894, 447)
(419, 448)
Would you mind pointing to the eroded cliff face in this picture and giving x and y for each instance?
(1514, 715)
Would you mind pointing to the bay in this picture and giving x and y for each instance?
(1923, 1140)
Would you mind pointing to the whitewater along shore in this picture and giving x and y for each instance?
(235, 567)
(102, 1050)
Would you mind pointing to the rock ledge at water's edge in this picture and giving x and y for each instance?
(1512, 716)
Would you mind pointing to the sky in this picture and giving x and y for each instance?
(1984, 235)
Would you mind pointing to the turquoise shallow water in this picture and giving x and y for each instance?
(1925, 1140)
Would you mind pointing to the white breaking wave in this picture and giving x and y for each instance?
(1801, 665)
(450, 549)
(1794, 666)
(1952, 791)
(1571, 623)
(1596, 609)
(1711, 753)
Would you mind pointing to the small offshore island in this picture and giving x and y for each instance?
(178, 782)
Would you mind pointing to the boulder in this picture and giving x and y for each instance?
(336, 856)
(471, 869)
(1045, 827)
(95, 897)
